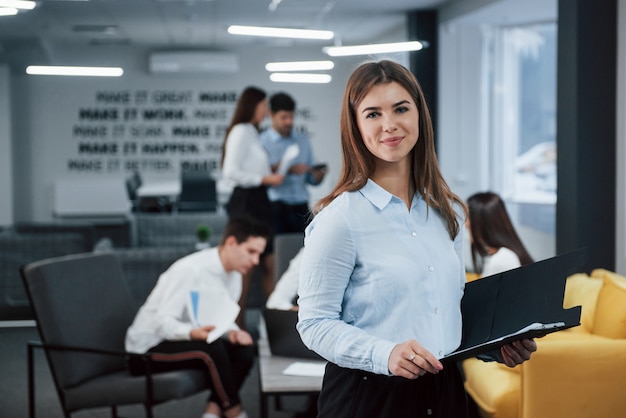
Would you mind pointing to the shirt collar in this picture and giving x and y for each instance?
(380, 197)
(376, 194)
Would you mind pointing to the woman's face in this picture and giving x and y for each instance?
(388, 120)
(260, 112)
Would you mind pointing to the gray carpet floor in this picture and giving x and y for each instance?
(14, 387)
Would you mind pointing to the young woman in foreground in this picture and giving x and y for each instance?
(382, 274)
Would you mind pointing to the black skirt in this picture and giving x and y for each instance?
(253, 201)
(350, 393)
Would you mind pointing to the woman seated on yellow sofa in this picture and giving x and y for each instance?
(496, 247)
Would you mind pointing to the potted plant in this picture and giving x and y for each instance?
(203, 233)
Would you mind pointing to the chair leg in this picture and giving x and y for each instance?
(31, 382)
(149, 413)
(149, 401)
(114, 412)
(277, 403)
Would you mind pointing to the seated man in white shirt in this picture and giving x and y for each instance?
(165, 325)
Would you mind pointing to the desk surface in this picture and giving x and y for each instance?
(159, 188)
(273, 381)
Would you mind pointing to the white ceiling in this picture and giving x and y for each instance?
(185, 24)
(55, 25)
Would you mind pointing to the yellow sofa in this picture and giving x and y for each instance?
(576, 373)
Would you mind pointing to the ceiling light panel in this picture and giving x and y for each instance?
(74, 71)
(300, 78)
(280, 32)
(18, 4)
(8, 11)
(300, 66)
(341, 51)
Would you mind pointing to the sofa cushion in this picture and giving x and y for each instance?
(494, 387)
(610, 317)
(582, 290)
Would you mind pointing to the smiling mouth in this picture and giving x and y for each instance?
(393, 141)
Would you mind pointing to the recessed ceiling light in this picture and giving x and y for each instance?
(74, 71)
(280, 32)
(299, 66)
(8, 11)
(300, 78)
(18, 4)
(340, 51)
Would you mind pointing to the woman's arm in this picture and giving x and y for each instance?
(327, 265)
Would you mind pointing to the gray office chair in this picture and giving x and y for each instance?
(286, 246)
(83, 307)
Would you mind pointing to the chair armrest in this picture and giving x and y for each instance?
(575, 378)
(93, 350)
(147, 359)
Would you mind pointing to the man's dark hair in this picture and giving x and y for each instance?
(282, 101)
(243, 227)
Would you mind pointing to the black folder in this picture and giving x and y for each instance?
(526, 302)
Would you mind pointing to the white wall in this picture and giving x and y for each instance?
(462, 142)
(6, 150)
(47, 112)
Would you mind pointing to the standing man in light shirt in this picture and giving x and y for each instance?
(290, 199)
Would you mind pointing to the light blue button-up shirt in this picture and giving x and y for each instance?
(293, 190)
(375, 274)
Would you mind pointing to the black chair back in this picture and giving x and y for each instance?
(132, 184)
(80, 300)
(198, 193)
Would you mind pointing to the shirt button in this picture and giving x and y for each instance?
(414, 234)
(431, 268)
(437, 311)
(440, 353)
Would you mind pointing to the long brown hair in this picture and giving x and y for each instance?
(244, 111)
(491, 227)
(358, 163)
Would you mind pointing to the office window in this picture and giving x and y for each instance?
(521, 121)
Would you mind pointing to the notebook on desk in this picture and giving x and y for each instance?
(282, 336)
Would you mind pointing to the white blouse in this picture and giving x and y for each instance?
(245, 160)
(374, 275)
(502, 260)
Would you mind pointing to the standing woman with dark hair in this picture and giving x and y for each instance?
(246, 169)
(382, 275)
(496, 247)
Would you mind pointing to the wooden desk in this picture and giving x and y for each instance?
(274, 383)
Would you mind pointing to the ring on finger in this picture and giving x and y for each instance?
(412, 357)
